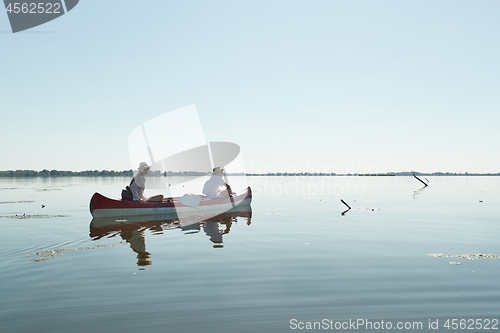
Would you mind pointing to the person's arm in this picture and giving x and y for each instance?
(143, 198)
(140, 183)
(137, 193)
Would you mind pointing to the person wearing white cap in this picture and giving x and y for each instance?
(211, 187)
(138, 183)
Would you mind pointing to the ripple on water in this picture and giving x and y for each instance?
(46, 255)
(32, 216)
(468, 256)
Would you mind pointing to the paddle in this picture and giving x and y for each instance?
(191, 200)
(229, 190)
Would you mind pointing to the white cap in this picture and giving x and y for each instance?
(143, 165)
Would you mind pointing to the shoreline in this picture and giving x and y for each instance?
(129, 173)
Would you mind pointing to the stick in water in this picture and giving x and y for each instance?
(425, 184)
(345, 203)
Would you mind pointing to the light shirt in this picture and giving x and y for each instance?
(211, 187)
(138, 186)
(140, 180)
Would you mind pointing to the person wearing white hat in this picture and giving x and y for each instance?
(211, 187)
(138, 183)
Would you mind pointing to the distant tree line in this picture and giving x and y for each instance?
(305, 174)
(157, 173)
(63, 173)
(97, 173)
(410, 173)
(403, 173)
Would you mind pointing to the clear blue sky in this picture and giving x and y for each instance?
(342, 86)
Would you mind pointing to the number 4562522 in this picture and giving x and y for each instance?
(34, 8)
(471, 324)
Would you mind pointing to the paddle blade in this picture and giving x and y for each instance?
(190, 200)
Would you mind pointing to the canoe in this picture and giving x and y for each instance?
(203, 207)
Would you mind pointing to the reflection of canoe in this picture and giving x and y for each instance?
(105, 226)
(101, 206)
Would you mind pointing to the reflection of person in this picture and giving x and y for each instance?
(138, 183)
(137, 243)
(211, 187)
(212, 230)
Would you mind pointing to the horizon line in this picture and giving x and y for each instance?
(111, 173)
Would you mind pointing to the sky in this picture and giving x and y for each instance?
(317, 86)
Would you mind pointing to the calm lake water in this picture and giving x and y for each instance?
(401, 256)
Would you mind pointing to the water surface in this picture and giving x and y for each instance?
(397, 256)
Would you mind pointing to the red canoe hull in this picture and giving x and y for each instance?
(101, 206)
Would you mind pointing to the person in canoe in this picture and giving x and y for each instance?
(211, 187)
(138, 185)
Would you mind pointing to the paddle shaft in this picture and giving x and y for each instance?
(229, 190)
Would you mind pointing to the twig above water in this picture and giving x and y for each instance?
(345, 203)
(425, 184)
(348, 207)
